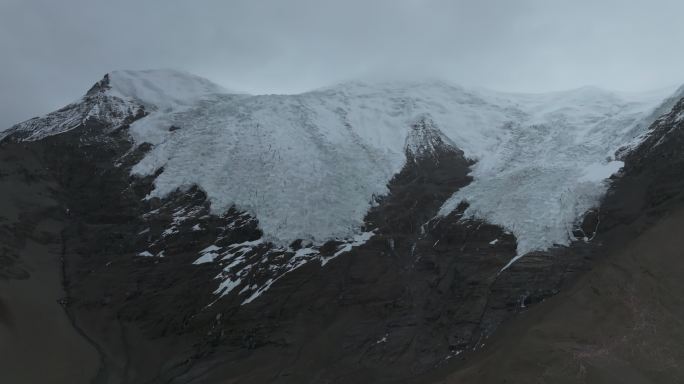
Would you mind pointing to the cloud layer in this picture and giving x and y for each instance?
(52, 51)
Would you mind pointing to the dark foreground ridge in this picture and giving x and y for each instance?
(419, 302)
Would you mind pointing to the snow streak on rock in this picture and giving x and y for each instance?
(243, 260)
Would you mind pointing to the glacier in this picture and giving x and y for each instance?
(308, 165)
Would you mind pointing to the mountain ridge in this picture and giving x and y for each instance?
(415, 292)
(360, 125)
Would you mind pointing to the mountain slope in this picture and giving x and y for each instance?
(220, 232)
(619, 322)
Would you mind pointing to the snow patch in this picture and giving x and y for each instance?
(208, 255)
(382, 339)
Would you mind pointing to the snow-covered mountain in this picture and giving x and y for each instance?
(364, 232)
(308, 166)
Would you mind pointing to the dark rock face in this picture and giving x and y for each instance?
(421, 291)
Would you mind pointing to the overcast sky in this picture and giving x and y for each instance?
(52, 51)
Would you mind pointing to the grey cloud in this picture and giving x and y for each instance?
(52, 51)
